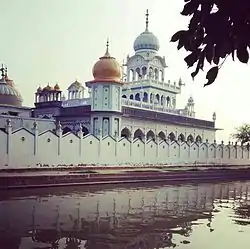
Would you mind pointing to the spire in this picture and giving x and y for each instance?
(2, 71)
(107, 49)
(147, 14)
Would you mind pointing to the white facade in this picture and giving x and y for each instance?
(132, 119)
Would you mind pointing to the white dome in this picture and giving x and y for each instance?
(146, 40)
(9, 94)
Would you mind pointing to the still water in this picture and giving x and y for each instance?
(215, 215)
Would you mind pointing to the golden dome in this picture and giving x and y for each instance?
(57, 87)
(107, 69)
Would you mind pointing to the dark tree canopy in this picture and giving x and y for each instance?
(217, 28)
(242, 134)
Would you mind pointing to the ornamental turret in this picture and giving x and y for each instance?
(106, 90)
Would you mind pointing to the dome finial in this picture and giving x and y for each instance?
(2, 71)
(147, 14)
(107, 49)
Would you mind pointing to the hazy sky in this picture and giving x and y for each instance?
(58, 40)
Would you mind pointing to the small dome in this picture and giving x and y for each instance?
(191, 100)
(39, 89)
(76, 84)
(9, 95)
(146, 40)
(57, 87)
(107, 69)
(48, 88)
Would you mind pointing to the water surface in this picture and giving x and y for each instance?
(215, 215)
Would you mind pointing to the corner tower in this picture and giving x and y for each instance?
(106, 90)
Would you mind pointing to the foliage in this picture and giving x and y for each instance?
(242, 133)
(217, 28)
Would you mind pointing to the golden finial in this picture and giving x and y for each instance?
(107, 49)
(147, 14)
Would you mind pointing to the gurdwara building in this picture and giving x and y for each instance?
(134, 100)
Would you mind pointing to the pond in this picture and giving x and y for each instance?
(207, 215)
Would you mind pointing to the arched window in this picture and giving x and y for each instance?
(145, 97)
(124, 96)
(171, 136)
(137, 97)
(66, 130)
(144, 72)
(131, 75)
(198, 139)
(139, 134)
(162, 136)
(168, 101)
(190, 138)
(157, 98)
(125, 133)
(181, 138)
(150, 135)
(85, 131)
(138, 74)
(156, 74)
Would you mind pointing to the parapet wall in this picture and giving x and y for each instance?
(22, 148)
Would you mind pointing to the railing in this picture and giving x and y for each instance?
(76, 102)
(157, 83)
(153, 107)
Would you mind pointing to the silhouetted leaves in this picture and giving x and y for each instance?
(216, 29)
(242, 54)
(211, 75)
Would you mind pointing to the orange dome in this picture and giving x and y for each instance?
(107, 69)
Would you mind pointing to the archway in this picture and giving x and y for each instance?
(168, 101)
(66, 130)
(85, 131)
(131, 75)
(181, 138)
(125, 132)
(150, 135)
(162, 136)
(157, 98)
(151, 98)
(198, 139)
(171, 136)
(190, 138)
(162, 100)
(137, 97)
(139, 134)
(145, 97)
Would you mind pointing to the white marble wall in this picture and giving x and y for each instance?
(22, 148)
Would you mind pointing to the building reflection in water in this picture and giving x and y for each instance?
(125, 218)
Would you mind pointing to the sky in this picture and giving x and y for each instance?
(58, 41)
